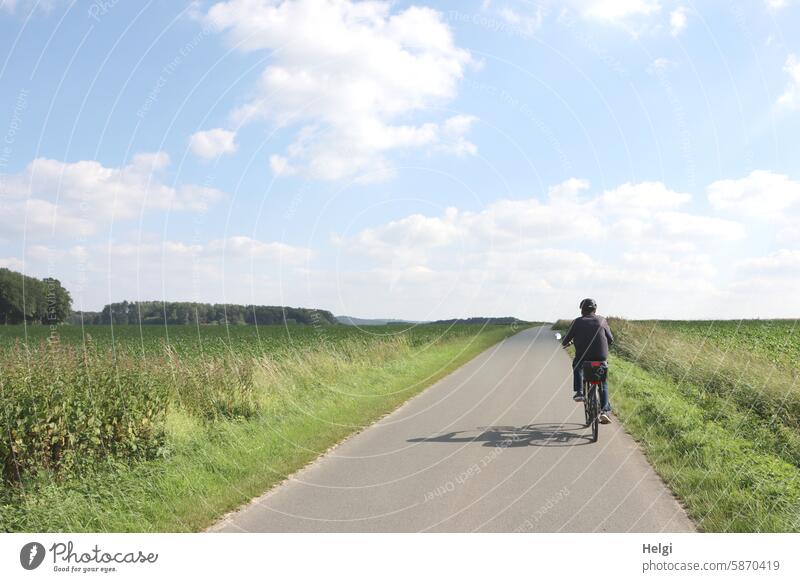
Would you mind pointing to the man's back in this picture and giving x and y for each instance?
(592, 337)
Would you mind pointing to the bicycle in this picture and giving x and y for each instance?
(594, 373)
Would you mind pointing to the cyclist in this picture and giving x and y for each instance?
(592, 338)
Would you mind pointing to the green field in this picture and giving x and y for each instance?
(210, 340)
(716, 408)
(776, 341)
(164, 429)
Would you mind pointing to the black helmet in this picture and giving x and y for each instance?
(588, 305)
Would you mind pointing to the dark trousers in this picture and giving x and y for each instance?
(577, 384)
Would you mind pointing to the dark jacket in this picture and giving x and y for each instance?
(592, 338)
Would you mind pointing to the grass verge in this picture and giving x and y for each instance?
(308, 403)
(729, 477)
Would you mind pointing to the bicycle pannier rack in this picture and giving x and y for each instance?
(595, 371)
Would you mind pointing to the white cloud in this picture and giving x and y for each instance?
(642, 198)
(661, 65)
(569, 190)
(762, 195)
(212, 143)
(243, 247)
(526, 23)
(453, 135)
(346, 73)
(684, 226)
(220, 270)
(281, 166)
(552, 264)
(694, 265)
(50, 197)
(12, 263)
(561, 216)
(790, 98)
(36, 218)
(233, 248)
(406, 243)
(781, 263)
(622, 244)
(643, 216)
(677, 20)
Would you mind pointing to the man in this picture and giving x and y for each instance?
(592, 338)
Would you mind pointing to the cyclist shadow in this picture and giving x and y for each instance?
(542, 434)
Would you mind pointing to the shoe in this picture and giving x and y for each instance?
(604, 418)
(578, 397)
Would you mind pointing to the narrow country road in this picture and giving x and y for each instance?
(498, 445)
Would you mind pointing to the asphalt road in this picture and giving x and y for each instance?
(498, 445)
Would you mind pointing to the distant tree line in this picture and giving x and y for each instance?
(27, 299)
(189, 313)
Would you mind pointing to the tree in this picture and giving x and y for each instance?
(58, 302)
(24, 298)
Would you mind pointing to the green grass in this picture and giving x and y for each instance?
(307, 398)
(717, 411)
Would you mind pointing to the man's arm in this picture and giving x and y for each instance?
(607, 329)
(570, 335)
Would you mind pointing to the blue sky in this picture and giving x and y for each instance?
(398, 159)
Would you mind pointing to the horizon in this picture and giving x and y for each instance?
(430, 160)
(535, 320)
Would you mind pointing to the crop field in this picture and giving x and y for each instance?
(108, 423)
(716, 407)
(772, 340)
(209, 340)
